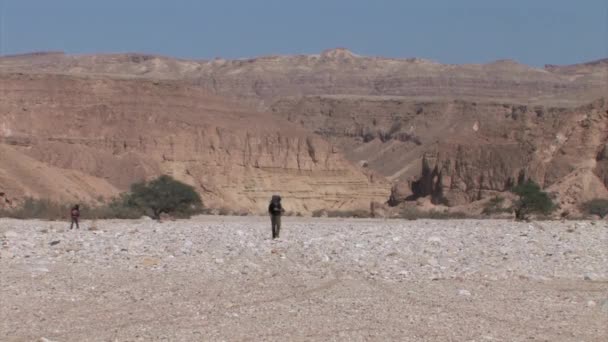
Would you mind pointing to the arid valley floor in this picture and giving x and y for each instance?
(222, 278)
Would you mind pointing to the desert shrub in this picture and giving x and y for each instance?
(368, 136)
(162, 195)
(408, 137)
(121, 207)
(34, 208)
(532, 200)
(360, 213)
(597, 206)
(318, 213)
(446, 215)
(165, 195)
(415, 214)
(395, 127)
(391, 133)
(224, 211)
(496, 206)
(45, 209)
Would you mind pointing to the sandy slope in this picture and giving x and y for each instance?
(214, 278)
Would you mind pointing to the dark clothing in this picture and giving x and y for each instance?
(275, 221)
(74, 220)
(275, 209)
(75, 214)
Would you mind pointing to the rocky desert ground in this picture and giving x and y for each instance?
(217, 278)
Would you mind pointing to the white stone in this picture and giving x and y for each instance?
(11, 234)
(4, 254)
(434, 239)
(465, 293)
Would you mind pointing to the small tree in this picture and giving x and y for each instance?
(597, 206)
(165, 195)
(531, 200)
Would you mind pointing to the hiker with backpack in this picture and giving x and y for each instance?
(75, 214)
(275, 209)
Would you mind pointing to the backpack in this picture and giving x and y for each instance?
(275, 205)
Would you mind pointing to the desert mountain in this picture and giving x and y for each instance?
(455, 133)
(341, 72)
(80, 138)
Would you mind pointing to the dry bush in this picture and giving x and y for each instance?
(496, 205)
(34, 208)
(598, 206)
(415, 214)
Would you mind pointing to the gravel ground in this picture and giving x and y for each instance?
(222, 278)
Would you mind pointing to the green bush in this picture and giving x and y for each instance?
(597, 206)
(496, 206)
(532, 200)
(164, 195)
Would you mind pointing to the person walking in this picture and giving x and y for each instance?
(75, 214)
(275, 209)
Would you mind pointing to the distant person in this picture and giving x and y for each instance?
(275, 209)
(75, 214)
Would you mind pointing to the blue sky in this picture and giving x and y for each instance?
(534, 32)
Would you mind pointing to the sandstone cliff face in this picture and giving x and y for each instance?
(558, 151)
(115, 132)
(457, 152)
(455, 133)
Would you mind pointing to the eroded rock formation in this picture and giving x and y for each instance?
(454, 133)
(81, 138)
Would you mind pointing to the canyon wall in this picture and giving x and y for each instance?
(92, 137)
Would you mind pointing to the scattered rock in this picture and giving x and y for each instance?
(150, 261)
(434, 239)
(433, 262)
(53, 243)
(239, 249)
(4, 254)
(591, 277)
(44, 339)
(465, 293)
(11, 234)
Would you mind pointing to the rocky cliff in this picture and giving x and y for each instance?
(80, 138)
(457, 152)
(455, 133)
